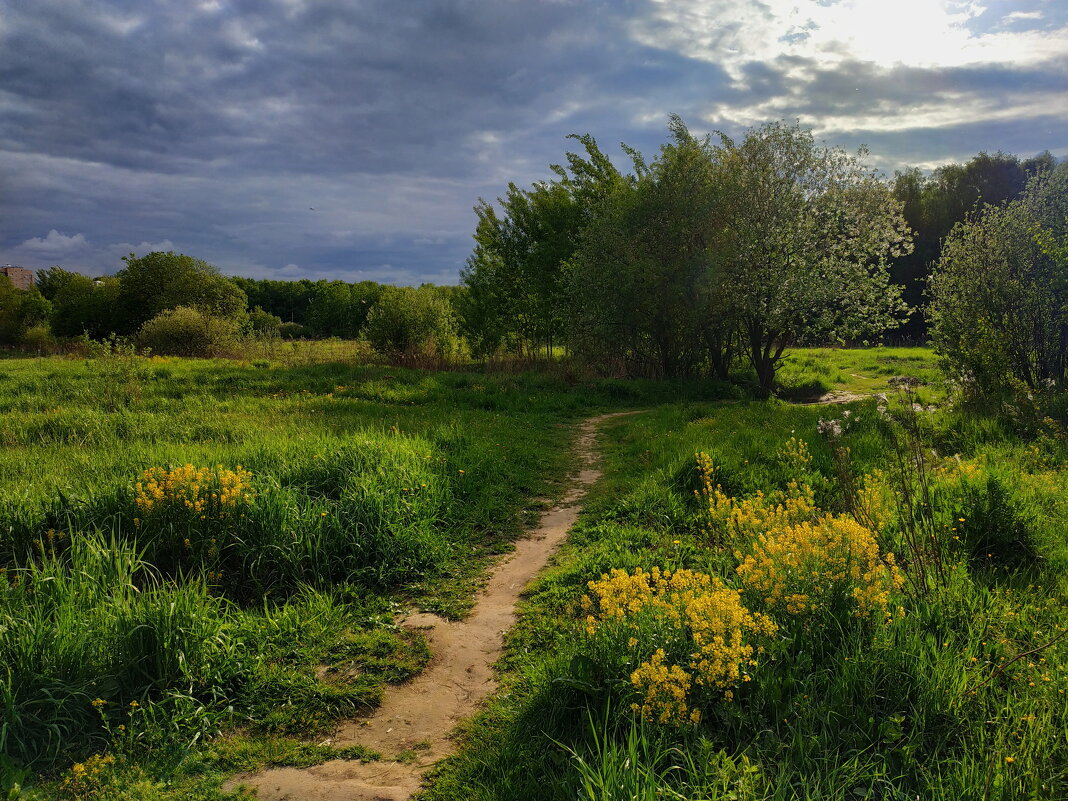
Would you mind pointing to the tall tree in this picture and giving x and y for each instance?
(516, 290)
(159, 281)
(643, 289)
(803, 248)
(20, 310)
(934, 204)
(1000, 292)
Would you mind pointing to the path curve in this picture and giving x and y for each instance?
(420, 715)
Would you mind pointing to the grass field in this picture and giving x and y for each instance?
(955, 691)
(243, 593)
(164, 626)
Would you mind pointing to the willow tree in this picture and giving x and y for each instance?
(802, 247)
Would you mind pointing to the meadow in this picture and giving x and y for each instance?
(203, 562)
(193, 547)
(727, 620)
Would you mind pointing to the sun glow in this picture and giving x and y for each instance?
(908, 32)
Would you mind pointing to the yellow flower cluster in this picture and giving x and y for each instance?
(204, 491)
(818, 566)
(667, 690)
(86, 779)
(876, 501)
(706, 622)
(795, 454)
(729, 519)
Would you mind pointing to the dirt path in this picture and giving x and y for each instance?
(418, 717)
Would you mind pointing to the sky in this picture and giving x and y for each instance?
(350, 139)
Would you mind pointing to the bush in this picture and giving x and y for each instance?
(186, 331)
(993, 525)
(292, 331)
(39, 339)
(413, 321)
(264, 324)
(676, 640)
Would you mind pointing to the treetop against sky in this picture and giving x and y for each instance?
(292, 139)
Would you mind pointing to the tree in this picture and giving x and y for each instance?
(287, 300)
(643, 286)
(802, 246)
(338, 309)
(159, 281)
(264, 324)
(85, 306)
(515, 274)
(20, 310)
(516, 287)
(51, 281)
(934, 204)
(999, 292)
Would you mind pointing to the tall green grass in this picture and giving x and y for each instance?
(964, 697)
(372, 489)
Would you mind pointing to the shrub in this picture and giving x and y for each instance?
(991, 523)
(186, 331)
(263, 324)
(998, 309)
(39, 339)
(728, 519)
(292, 331)
(794, 559)
(411, 321)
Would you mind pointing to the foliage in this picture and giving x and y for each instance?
(643, 291)
(514, 278)
(801, 251)
(20, 310)
(339, 309)
(707, 251)
(82, 305)
(998, 294)
(263, 324)
(292, 331)
(963, 696)
(158, 282)
(407, 320)
(832, 567)
(187, 331)
(933, 203)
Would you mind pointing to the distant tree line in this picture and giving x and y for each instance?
(172, 303)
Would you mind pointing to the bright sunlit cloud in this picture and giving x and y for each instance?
(930, 33)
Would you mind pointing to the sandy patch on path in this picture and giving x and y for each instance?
(835, 396)
(419, 716)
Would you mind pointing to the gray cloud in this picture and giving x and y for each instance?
(351, 139)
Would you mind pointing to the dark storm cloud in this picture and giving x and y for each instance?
(350, 139)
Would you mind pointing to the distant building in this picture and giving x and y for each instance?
(20, 276)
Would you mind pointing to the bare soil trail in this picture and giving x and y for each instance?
(419, 717)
